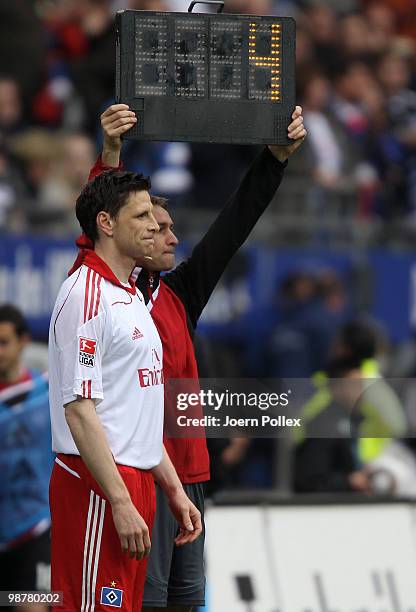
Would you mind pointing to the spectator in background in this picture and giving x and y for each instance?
(395, 76)
(382, 418)
(332, 154)
(11, 107)
(311, 308)
(405, 15)
(93, 74)
(352, 80)
(13, 195)
(79, 71)
(59, 191)
(325, 461)
(382, 23)
(54, 167)
(35, 151)
(23, 45)
(322, 24)
(356, 40)
(25, 462)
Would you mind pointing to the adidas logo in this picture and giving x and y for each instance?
(137, 334)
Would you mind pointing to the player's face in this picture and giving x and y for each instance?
(163, 256)
(11, 347)
(135, 226)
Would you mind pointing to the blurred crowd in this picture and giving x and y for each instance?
(356, 70)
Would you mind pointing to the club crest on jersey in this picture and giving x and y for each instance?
(87, 348)
(111, 597)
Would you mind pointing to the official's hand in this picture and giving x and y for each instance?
(116, 121)
(132, 530)
(296, 132)
(188, 517)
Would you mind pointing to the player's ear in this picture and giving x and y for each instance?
(105, 223)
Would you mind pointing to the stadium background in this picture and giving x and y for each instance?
(337, 242)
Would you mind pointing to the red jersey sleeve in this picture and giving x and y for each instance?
(98, 168)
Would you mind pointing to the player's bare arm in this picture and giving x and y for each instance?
(185, 512)
(116, 120)
(91, 441)
(296, 132)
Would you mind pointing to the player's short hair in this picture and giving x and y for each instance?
(11, 314)
(160, 201)
(108, 192)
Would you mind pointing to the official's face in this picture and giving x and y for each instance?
(163, 255)
(135, 227)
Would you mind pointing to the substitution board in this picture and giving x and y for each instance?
(206, 77)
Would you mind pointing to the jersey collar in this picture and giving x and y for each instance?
(88, 257)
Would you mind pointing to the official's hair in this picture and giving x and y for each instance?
(108, 192)
(11, 314)
(159, 201)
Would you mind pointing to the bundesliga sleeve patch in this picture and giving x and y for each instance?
(111, 597)
(87, 348)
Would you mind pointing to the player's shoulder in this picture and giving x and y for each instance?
(82, 293)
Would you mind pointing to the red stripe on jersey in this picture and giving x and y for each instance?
(92, 295)
(87, 286)
(83, 388)
(97, 304)
(89, 389)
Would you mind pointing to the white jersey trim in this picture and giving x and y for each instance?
(92, 546)
(62, 464)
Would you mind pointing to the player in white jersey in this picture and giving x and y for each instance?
(106, 397)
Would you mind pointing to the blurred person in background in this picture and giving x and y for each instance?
(11, 107)
(325, 461)
(93, 74)
(351, 83)
(381, 409)
(322, 24)
(61, 187)
(394, 72)
(382, 417)
(306, 58)
(332, 155)
(405, 16)
(25, 464)
(35, 151)
(356, 41)
(23, 47)
(79, 71)
(382, 22)
(54, 166)
(311, 308)
(14, 196)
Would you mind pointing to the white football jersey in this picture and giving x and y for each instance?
(103, 345)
